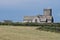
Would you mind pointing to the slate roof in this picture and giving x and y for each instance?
(32, 17)
(29, 17)
(42, 17)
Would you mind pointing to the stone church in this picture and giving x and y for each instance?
(45, 18)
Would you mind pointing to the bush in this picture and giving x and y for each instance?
(49, 28)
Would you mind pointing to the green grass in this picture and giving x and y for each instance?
(26, 33)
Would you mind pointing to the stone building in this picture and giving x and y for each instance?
(45, 18)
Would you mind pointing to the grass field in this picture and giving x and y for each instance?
(26, 33)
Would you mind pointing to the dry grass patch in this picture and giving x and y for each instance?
(26, 33)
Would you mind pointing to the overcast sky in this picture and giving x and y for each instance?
(16, 9)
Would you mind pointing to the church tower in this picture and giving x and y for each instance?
(47, 12)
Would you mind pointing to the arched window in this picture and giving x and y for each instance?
(36, 20)
(46, 20)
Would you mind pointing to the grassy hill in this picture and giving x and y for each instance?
(26, 33)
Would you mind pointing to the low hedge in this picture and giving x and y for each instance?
(31, 24)
(49, 28)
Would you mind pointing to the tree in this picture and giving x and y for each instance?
(7, 22)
